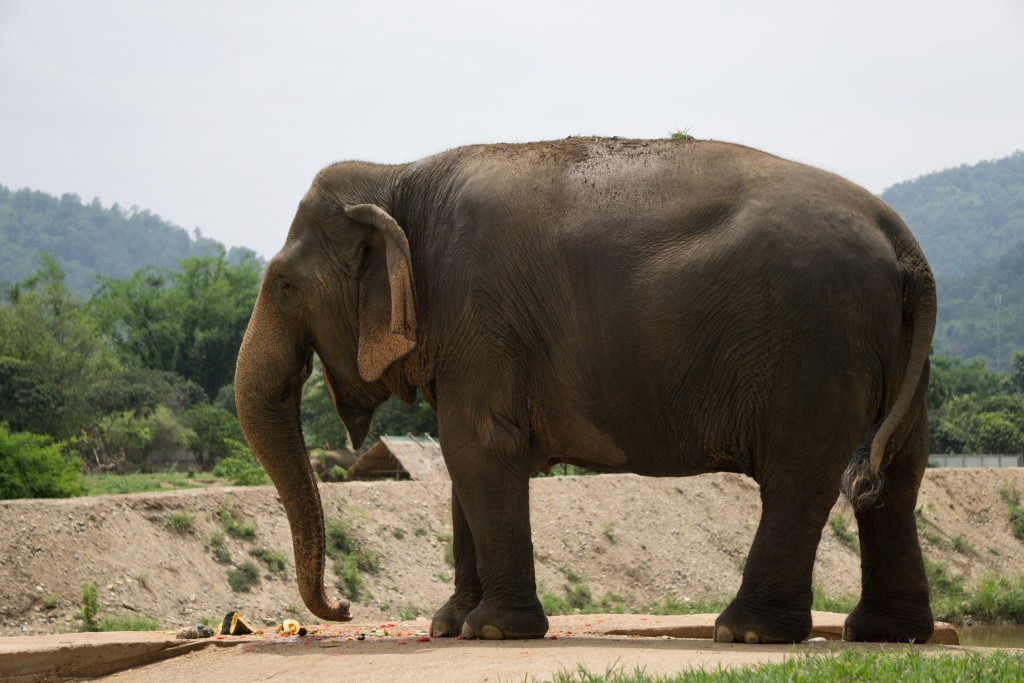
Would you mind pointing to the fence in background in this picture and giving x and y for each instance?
(976, 461)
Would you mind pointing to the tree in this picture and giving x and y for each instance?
(213, 428)
(42, 323)
(395, 417)
(971, 411)
(952, 377)
(190, 322)
(321, 426)
(29, 400)
(133, 440)
(1015, 379)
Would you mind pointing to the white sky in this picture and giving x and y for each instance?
(218, 114)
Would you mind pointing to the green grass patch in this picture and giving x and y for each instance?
(244, 577)
(398, 533)
(1011, 497)
(99, 484)
(215, 544)
(962, 545)
(843, 604)
(841, 528)
(351, 561)
(275, 560)
(89, 615)
(710, 605)
(849, 665)
(449, 548)
(232, 522)
(683, 134)
(130, 622)
(577, 598)
(179, 523)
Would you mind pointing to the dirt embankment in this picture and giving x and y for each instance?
(643, 540)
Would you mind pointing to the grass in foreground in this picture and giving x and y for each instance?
(851, 665)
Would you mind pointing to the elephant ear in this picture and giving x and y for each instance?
(387, 309)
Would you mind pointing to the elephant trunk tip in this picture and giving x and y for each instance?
(336, 609)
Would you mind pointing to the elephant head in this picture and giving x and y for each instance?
(341, 287)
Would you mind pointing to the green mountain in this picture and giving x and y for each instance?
(87, 239)
(981, 315)
(967, 217)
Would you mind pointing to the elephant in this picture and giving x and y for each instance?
(661, 307)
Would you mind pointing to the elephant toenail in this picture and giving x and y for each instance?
(492, 633)
(467, 632)
(751, 638)
(723, 634)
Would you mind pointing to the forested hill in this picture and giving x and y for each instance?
(87, 239)
(981, 315)
(965, 217)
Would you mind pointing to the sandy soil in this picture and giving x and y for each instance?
(643, 540)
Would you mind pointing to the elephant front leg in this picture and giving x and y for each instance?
(449, 619)
(489, 466)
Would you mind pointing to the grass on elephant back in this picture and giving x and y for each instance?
(850, 665)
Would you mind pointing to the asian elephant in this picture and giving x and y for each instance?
(663, 307)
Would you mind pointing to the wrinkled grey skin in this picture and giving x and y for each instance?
(660, 307)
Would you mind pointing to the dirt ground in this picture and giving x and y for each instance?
(639, 540)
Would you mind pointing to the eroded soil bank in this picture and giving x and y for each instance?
(634, 541)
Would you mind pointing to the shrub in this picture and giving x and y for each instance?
(1011, 497)
(241, 466)
(32, 466)
(349, 558)
(276, 561)
(244, 577)
(179, 522)
(215, 542)
(215, 433)
(233, 524)
(846, 537)
(90, 607)
(339, 542)
(350, 581)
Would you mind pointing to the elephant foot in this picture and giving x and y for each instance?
(448, 621)
(891, 625)
(745, 625)
(493, 622)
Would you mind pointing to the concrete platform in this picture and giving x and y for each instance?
(593, 639)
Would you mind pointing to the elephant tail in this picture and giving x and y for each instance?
(863, 479)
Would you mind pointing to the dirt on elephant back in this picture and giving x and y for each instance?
(613, 541)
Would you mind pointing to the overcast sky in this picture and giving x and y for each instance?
(217, 115)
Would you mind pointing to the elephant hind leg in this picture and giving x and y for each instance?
(773, 604)
(894, 603)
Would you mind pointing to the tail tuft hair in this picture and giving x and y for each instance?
(861, 485)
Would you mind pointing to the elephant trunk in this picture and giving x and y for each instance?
(273, 364)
